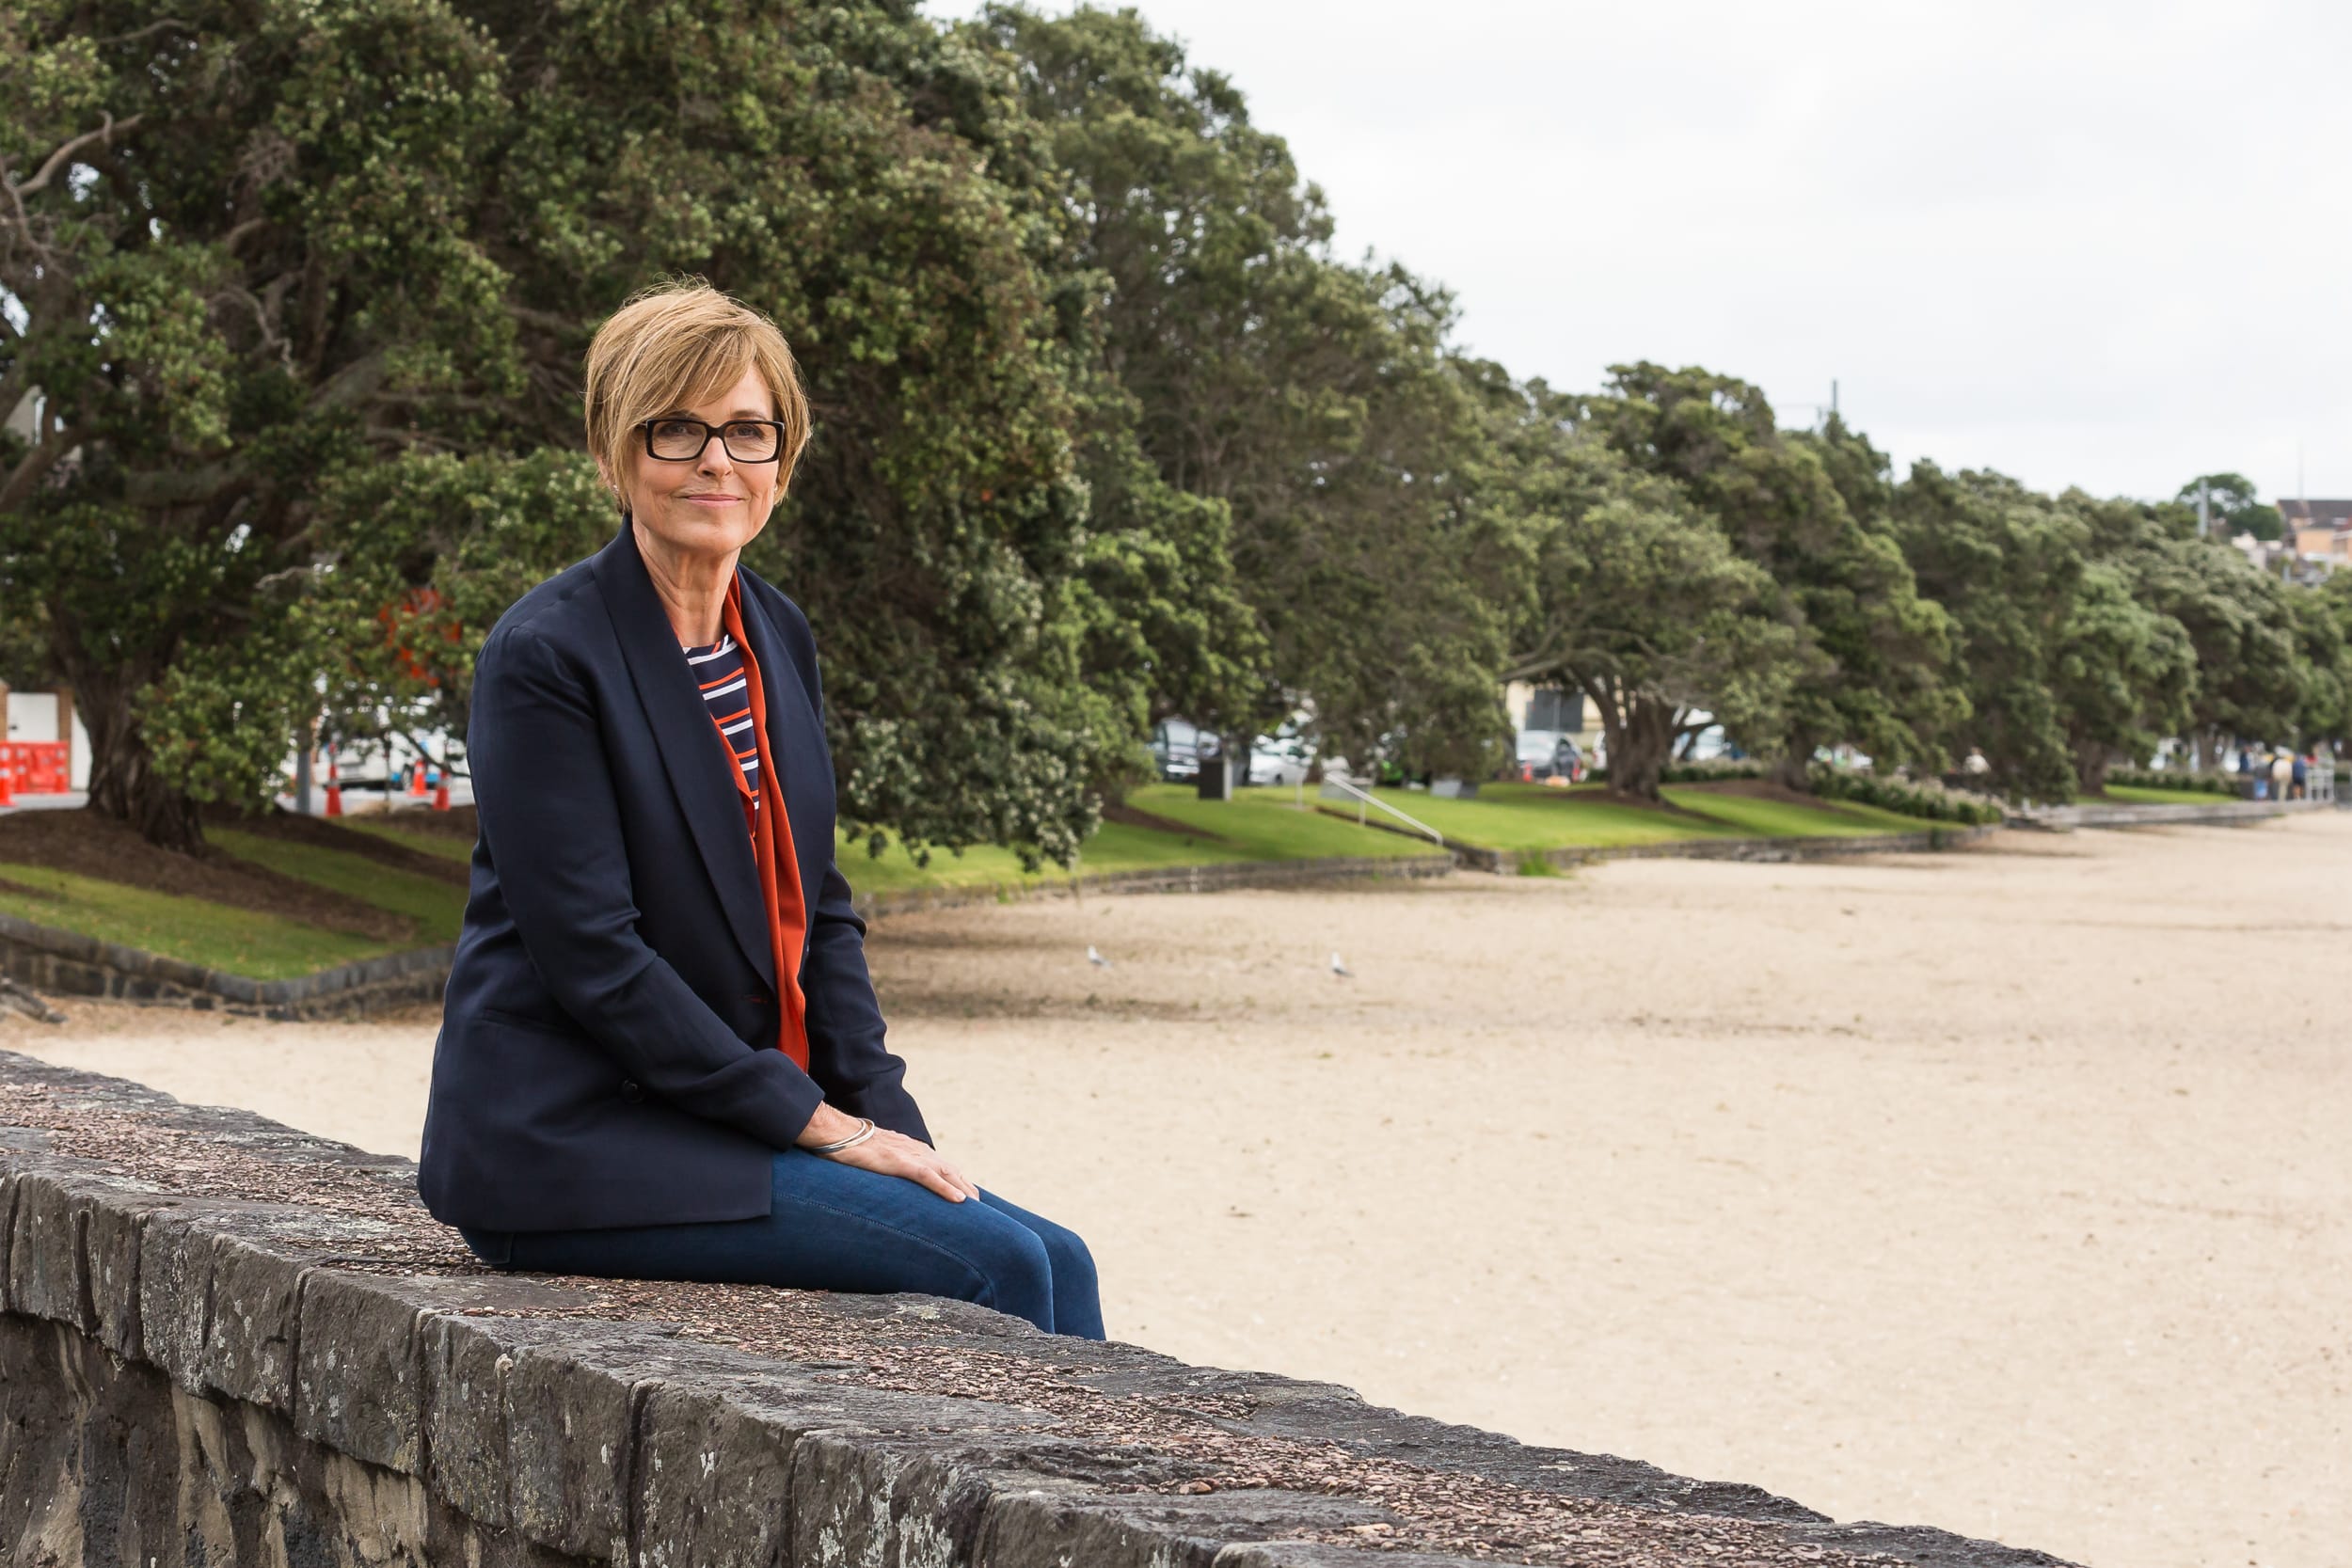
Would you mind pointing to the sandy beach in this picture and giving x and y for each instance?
(2009, 1191)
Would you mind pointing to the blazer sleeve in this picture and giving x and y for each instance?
(843, 1015)
(553, 826)
(845, 1021)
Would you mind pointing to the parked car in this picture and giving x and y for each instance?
(1549, 753)
(1279, 758)
(1176, 750)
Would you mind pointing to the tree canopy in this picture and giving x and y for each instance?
(2233, 505)
(293, 295)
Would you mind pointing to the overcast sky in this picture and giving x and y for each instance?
(2098, 245)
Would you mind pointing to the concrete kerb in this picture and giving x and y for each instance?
(266, 1400)
(2226, 813)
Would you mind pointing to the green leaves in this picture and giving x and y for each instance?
(1642, 600)
(1104, 431)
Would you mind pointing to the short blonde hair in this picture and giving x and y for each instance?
(676, 344)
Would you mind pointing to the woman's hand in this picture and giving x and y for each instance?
(896, 1154)
(890, 1154)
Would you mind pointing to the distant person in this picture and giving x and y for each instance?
(1975, 764)
(2300, 779)
(2282, 775)
(660, 1055)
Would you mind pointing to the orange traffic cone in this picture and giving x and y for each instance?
(416, 779)
(440, 796)
(334, 788)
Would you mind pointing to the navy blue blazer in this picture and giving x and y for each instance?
(607, 1054)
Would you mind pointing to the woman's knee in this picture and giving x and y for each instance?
(1072, 1264)
(1016, 1271)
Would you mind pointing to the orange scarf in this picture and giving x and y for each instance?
(771, 845)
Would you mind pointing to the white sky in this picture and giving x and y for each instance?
(2089, 243)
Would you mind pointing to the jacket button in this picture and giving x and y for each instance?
(630, 1089)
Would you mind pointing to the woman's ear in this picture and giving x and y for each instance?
(604, 473)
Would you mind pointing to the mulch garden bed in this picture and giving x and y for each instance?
(1765, 789)
(1135, 817)
(322, 834)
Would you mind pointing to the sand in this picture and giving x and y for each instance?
(2009, 1191)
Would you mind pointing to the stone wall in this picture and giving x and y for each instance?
(1212, 877)
(1773, 849)
(225, 1342)
(68, 964)
(2217, 812)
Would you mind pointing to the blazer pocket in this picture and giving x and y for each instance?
(562, 1029)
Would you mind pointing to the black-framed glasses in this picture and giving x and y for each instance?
(681, 440)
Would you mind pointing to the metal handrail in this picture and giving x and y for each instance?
(1365, 797)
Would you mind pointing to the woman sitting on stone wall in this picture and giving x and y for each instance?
(660, 1055)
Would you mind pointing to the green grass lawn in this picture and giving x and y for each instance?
(1521, 816)
(2137, 795)
(443, 845)
(1255, 825)
(195, 930)
(437, 907)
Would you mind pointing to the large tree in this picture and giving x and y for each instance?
(2239, 622)
(2120, 673)
(2232, 506)
(1813, 512)
(2007, 564)
(1635, 595)
(2323, 647)
(260, 248)
(1312, 400)
(237, 248)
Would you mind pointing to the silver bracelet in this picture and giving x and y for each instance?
(857, 1137)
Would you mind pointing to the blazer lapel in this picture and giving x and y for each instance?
(690, 750)
(796, 740)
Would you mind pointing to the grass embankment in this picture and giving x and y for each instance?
(270, 900)
(1256, 825)
(1532, 817)
(435, 908)
(445, 845)
(194, 930)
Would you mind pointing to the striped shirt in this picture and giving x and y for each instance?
(726, 694)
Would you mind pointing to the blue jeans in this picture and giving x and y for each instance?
(837, 1227)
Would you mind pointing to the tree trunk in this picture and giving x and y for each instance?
(123, 784)
(1640, 739)
(1794, 769)
(2091, 769)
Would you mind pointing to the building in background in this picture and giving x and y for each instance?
(2320, 532)
(40, 717)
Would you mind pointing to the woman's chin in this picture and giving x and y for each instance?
(690, 525)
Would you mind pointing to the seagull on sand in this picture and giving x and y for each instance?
(1096, 959)
(1341, 970)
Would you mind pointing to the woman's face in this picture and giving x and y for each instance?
(712, 505)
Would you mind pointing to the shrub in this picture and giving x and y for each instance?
(1911, 797)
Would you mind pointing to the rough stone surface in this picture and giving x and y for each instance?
(227, 1342)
